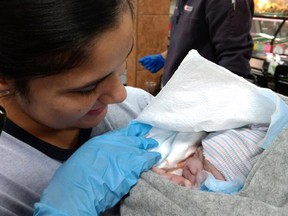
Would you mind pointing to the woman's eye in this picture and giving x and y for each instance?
(87, 91)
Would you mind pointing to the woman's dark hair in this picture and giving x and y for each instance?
(42, 38)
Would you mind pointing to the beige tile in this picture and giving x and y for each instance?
(152, 32)
(153, 6)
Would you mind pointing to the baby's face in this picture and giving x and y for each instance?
(212, 169)
(197, 163)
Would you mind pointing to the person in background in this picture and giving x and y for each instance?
(60, 68)
(219, 30)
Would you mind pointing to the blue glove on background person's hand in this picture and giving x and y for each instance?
(152, 63)
(99, 173)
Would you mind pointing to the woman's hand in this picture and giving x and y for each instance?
(99, 173)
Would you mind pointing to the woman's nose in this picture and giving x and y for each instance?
(114, 91)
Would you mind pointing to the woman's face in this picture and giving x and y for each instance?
(79, 98)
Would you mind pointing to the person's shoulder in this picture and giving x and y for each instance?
(141, 96)
(24, 173)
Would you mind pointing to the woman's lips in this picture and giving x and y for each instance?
(96, 111)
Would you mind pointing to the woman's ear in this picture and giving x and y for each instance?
(6, 87)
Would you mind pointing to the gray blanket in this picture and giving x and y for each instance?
(265, 191)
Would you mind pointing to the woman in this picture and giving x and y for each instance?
(60, 68)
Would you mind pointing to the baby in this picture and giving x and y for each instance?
(228, 155)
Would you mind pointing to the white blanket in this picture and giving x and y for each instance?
(204, 97)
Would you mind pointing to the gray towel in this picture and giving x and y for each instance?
(265, 191)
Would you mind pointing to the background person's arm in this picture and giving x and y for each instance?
(153, 63)
(230, 33)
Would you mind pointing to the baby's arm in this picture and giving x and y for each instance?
(191, 168)
(180, 180)
(195, 165)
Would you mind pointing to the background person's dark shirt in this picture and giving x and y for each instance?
(217, 31)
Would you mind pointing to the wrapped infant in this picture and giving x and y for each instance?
(211, 125)
(226, 155)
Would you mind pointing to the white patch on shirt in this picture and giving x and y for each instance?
(188, 8)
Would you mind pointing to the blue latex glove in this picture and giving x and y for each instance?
(99, 173)
(153, 63)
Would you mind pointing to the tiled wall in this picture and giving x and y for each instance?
(151, 32)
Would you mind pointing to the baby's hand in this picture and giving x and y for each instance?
(193, 166)
(180, 180)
